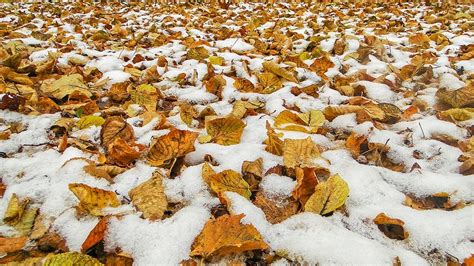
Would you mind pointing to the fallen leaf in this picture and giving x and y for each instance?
(71, 258)
(207, 172)
(8, 245)
(24, 225)
(328, 196)
(216, 84)
(252, 172)
(15, 210)
(198, 53)
(65, 86)
(226, 235)
(122, 153)
(273, 142)
(96, 234)
(176, 143)
(274, 68)
(391, 227)
(229, 180)
(268, 83)
(149, 197)
(457, 114)
(306, 181)
(299, 152)
(457, 98)
(116, 127)
(354, 142)
(145, 95)
(276, 210)
(321, 65)
(334, 111)
(226, 130)
(90, 120)
(93, 200)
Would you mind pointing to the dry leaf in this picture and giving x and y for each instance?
(8, 245)
(334, 111)
(273, 141)
(276, 210)
(457, 114)
(299, 152)
(92, 199)
(274, 68)
(321, 65)
(198, 53)
(306, 181)
(122, 153)
(90, 120)
(225, 131)
(328, 196)
(226, 235)
(391, 227)
(216, 84)
(207, 172)
(176, 143)
(457, 98)
(353, 143)
(229, 180)
(116, 127)
(71, 258)
(15, 210)
(66, 86)
(149, 197)
(145, 95)
(252, 172)
(95, 235)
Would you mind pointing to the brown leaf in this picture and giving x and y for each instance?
(176, 143)
(273, 142)
(391, 227)
(321, 65)
(252, 172)
(122, 153)
(116, 127)
(226, 130)
(216, 84)
(8, 245)
(226, 235)
(276, 210)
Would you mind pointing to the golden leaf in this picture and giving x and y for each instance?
(149, 197)
(216, 60)
(391, 113)
(122, 153)
(226, 235)
(274, 68)
(252, 172)
(70, 259)
(90, 120)
(145, 95)
(391, 227)
(353, 143)
(287, 120)
(306, 181)
(104, 171)
(268, 83)
(457, 114)
(276, 210)
(313, 118)
(65, 86)
(273, 142)
(328, 196)
(216, 84)
(457, 98)
(240, 108)
(229, 180)
(92, 199)
(244, 85)
(176, 143)
(23, 227)
(226, 130)
(187, 113)
(321, 65)
(419, 39)
(299, 152)
(334, 111)
(116, 127)
(207, 172)
(339, 46)
(198, 53)
(467, 167)
(15, 210)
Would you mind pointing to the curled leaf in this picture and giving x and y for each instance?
(116, 127)
(149, 197)
(391, 227)
(93, 200)
(90, 120)
(225, 131)
(299, 152)
(176, 143)
(274, 68)
(229, 180)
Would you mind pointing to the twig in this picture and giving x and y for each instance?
(422, 131)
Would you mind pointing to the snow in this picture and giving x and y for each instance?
(236, 45)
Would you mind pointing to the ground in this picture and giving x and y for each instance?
(246, 133)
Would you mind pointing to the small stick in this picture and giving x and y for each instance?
(422, 131)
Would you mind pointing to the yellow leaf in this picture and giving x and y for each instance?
(65, 86)
(176, 143)
(15, 210)
(321, 65)
(90, 120)
(268, 83)
(273, 141)
(225, 131)
(244, 85)
(457, 98)
(123, 153)
(287, 120)
(457, 114)
(198, 53)
(145, 95)
(23, 227)
(226, 235)
(274, 68)
(204, 139)
(229, 180)
(207, 172)
(71, 259)
(216, 60)
(149, 197)
(92, 199)
(187, 113)
(313, 118)
(299, 152)
(328, 196)
(391, 113)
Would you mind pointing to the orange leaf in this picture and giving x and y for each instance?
(353, 143)
(8, 245)
(96, 235)
(391, 227)
(121, 153)
(113, 128)
(226, 235)
(306, 182)
(321, 65)
(175, 144)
